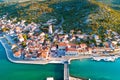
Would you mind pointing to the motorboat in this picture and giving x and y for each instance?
(110, 58)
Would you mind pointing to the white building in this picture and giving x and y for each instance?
(50, 29)
(62, 46)
(71, 52)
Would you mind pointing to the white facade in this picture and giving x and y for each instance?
(71, 53)
(61, 47)
(50, 29)
(21, 39)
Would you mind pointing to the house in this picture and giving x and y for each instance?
(66, 36)
(53, 48)
(98, 41)
(42, 34)
(44, 54)
(11, 32)
(114, 42)
(50, 29)
(83, 46)
(89, 50)
(71, 45)
(71, 52)
(17, 54)
(96, 37)
(28, 56)
(20, 37)
(18, 29)
(73, 38)
(62, 46)
(14, 46)
(80, 36)
(106, 44)
(42, 40)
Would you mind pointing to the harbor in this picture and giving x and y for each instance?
(105, 58)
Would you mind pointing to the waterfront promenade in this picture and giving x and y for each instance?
(13, 59)
(10, 56)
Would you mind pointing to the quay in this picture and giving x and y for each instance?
(66, 70)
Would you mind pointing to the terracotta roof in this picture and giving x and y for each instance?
(20, 36)
(18, 53)
(83, 45)
(71, 44)
(18, 28)
(43, 54)
(89, 49)
(62, 44)
(71, 49)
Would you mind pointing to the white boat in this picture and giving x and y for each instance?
(110, 58)
(96, 58)
(50, 78)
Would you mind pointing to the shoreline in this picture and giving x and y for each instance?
(40, 62)
(20, 61)
(43, 62)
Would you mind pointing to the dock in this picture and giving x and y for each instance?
(66, 70)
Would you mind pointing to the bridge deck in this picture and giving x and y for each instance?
(66, 71)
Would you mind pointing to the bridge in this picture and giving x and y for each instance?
(66, 70)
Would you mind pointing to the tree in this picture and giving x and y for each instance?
(5, 29)
(24, 44)
(25, 36)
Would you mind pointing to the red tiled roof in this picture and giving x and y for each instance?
(71, 44)
(18, 53)
(43, 54)
(71, 49)
(83, 45)
(62, 44)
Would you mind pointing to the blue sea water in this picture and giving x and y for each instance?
(84, 68)
(94, 70)
(11, 71)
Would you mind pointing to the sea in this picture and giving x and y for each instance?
(12, 71)
(94, 70)
(85, 68)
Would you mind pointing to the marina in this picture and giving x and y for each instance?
(105, 58)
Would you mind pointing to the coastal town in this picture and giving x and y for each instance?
(60, 39)
(45, 41)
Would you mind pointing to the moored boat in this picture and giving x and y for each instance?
(110, 58)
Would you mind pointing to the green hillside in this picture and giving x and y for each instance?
(86, 15)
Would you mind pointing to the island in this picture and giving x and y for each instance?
(47, 43)
(57, 32)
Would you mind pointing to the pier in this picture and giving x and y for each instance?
(66, 70)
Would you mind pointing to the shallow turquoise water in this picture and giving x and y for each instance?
(11, 71)
(85, 68)
(94, 70)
